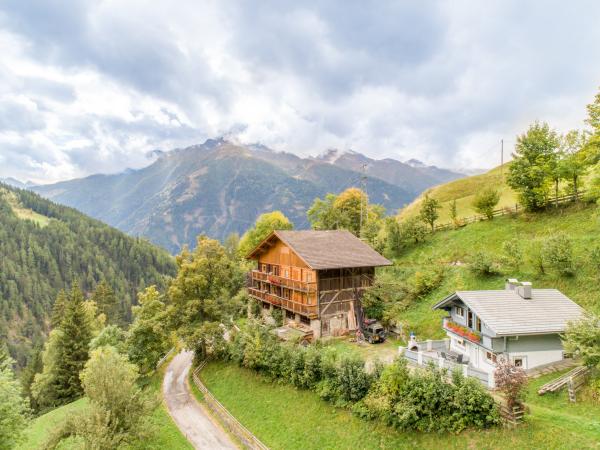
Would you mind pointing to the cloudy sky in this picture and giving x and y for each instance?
(92, 86)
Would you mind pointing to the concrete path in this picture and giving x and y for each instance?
(192, 419)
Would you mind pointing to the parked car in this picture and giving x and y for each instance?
(374, 332)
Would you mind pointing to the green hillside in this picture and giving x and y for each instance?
(463, 191)
(44, 247)
(451, 251)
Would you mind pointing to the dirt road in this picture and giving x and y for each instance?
(191, 417)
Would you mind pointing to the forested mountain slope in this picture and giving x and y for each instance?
(219, 187)
(44, 247)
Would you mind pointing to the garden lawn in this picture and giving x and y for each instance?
(286, 418)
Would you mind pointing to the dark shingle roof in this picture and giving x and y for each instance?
(506, 313)
(332, 249)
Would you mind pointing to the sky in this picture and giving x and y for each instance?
(94, 86)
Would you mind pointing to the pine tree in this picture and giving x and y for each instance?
(58, 309)
(72, 348)
(106, 301)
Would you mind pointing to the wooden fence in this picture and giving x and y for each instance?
(505, 211)
(244, 435)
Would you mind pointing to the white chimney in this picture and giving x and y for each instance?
(511, 284)
(525, 289)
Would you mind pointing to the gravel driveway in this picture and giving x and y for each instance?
(192, 418)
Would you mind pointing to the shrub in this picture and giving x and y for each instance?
(485, 202)
(412, 231)
(557, 252)
(473, 406)
(511, 381)
(582, 339)
(348, 382)
(277, 315)
(482, 263)
(427, 280)
(513, 253)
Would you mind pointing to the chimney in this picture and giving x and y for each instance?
(525, 289)
(511, 284)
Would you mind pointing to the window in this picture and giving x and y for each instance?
(460, 343)
(478, 324)
(470, 319)
(460, 311)
(491, 357)
(309, 277)
(518, 362)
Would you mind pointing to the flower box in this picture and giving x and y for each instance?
(465, 332)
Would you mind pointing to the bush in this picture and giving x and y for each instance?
(511, 381)
(595, 258)
(277, 315)
(347, 383)
(425, 401)
(427, 280)
(482, 263)
(412, 231)
(485, 202)
(513, 253)
(557, 252)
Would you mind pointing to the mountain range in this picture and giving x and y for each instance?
(220, 187)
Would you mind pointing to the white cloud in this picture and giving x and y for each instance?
(93, 87)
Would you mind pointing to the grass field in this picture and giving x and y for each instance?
(286, 418)
(463, 191)
(167, 434)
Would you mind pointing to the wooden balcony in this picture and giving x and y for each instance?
(310, 311)
(296, 285)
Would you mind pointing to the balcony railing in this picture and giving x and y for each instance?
(291, 305)
(462, 331)
(303, 286)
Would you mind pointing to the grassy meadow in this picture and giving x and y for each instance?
(463, 191)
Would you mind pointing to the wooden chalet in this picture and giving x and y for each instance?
(316, 277)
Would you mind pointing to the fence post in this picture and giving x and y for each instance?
(465, 370)
(441, 362)
(447, 343)
(420, 358)
(429, 345)
(400, 350)
(491, 380)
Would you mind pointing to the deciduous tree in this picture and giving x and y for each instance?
(429, 211)
(265, 224)
(530, 171)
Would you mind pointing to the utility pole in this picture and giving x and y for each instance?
(363, 187)
(502, 159)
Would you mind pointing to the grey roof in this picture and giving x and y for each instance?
(506, 313)
(331, 249)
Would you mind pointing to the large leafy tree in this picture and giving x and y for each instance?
(148, 337)
(13, 406)
(344, 211)
(265, 224)
(200, 297)
(532, 170)
(574, 162)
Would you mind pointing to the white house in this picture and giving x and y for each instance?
(518, 322)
